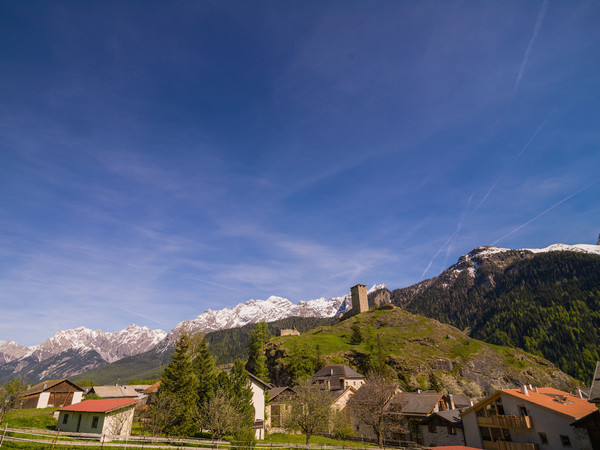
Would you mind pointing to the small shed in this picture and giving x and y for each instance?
(52, 393)
(109, 416)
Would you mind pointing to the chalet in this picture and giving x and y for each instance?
(107, 416)
(527, 419)
(51, 393)
(338, 376)
(413, 407)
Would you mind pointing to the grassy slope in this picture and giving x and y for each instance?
(415, 347)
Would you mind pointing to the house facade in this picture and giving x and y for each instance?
(111, 416)
(52, 393)
(443, 428)
(338, 376)
(259, 387)
(527, 419)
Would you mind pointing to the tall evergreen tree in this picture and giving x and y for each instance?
(179, 381)
(257, 361)
(204, 369)
(241, 393)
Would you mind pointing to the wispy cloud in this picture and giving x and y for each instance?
(547, 210)
(536, 30)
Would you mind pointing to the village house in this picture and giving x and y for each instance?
(527, 419)
(51, 393)
(443, 428)
(111, 417)
(259, 387)
(338, 377)
(278, 408)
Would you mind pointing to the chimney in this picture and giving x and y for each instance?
(536, 390)
(524, 390)
(579, 393)
(451, 401)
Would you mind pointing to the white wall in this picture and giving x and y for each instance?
(43, 400)
(77, 397)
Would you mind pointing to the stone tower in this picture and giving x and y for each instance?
(360, 302)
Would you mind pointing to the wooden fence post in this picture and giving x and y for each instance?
(55, 438)
(3, 434)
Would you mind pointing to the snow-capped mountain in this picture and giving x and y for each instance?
(269, 310)
(110, 346)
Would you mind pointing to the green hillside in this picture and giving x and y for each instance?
(547, 304)
(421, 352)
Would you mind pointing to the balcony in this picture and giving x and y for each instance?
(505, 421)
(504, 445)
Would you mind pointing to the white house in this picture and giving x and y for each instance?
(527, 419)
(111, 416)
(259, 387)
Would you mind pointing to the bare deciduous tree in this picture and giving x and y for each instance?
(310, 409)
(372, 404)
(220, 415)
(161, 414)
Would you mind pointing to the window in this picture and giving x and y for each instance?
(565, 441)
(95, 422)
(523, 411)
(451, 430)
(543, 438)
(66, 418)
(485, 433)
(432, 428)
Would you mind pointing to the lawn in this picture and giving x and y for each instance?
(41, 419)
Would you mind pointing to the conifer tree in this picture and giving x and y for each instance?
(179, 382)
(204, 369)
(241, 398)
(257, 361)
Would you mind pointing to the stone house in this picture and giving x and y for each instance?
(443, 428)
(338, 377)
(51, 393)
(527, 419)
(109, 416)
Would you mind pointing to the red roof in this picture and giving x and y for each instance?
(99, 406)
(559, 401)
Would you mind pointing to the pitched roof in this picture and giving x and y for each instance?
(100, 406)
(418, 403)
(451, 416)
(276, 391)
(114, 391)
(549, 398)
(595, 389)
(337, 370)
(258, 381)
(47, 384)
(152, 388)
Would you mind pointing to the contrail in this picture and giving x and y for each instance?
(547, 210)
(536, 29)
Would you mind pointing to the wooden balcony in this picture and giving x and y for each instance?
(505, 421)
(504, 445)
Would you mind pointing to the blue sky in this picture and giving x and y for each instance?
(161, 158)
